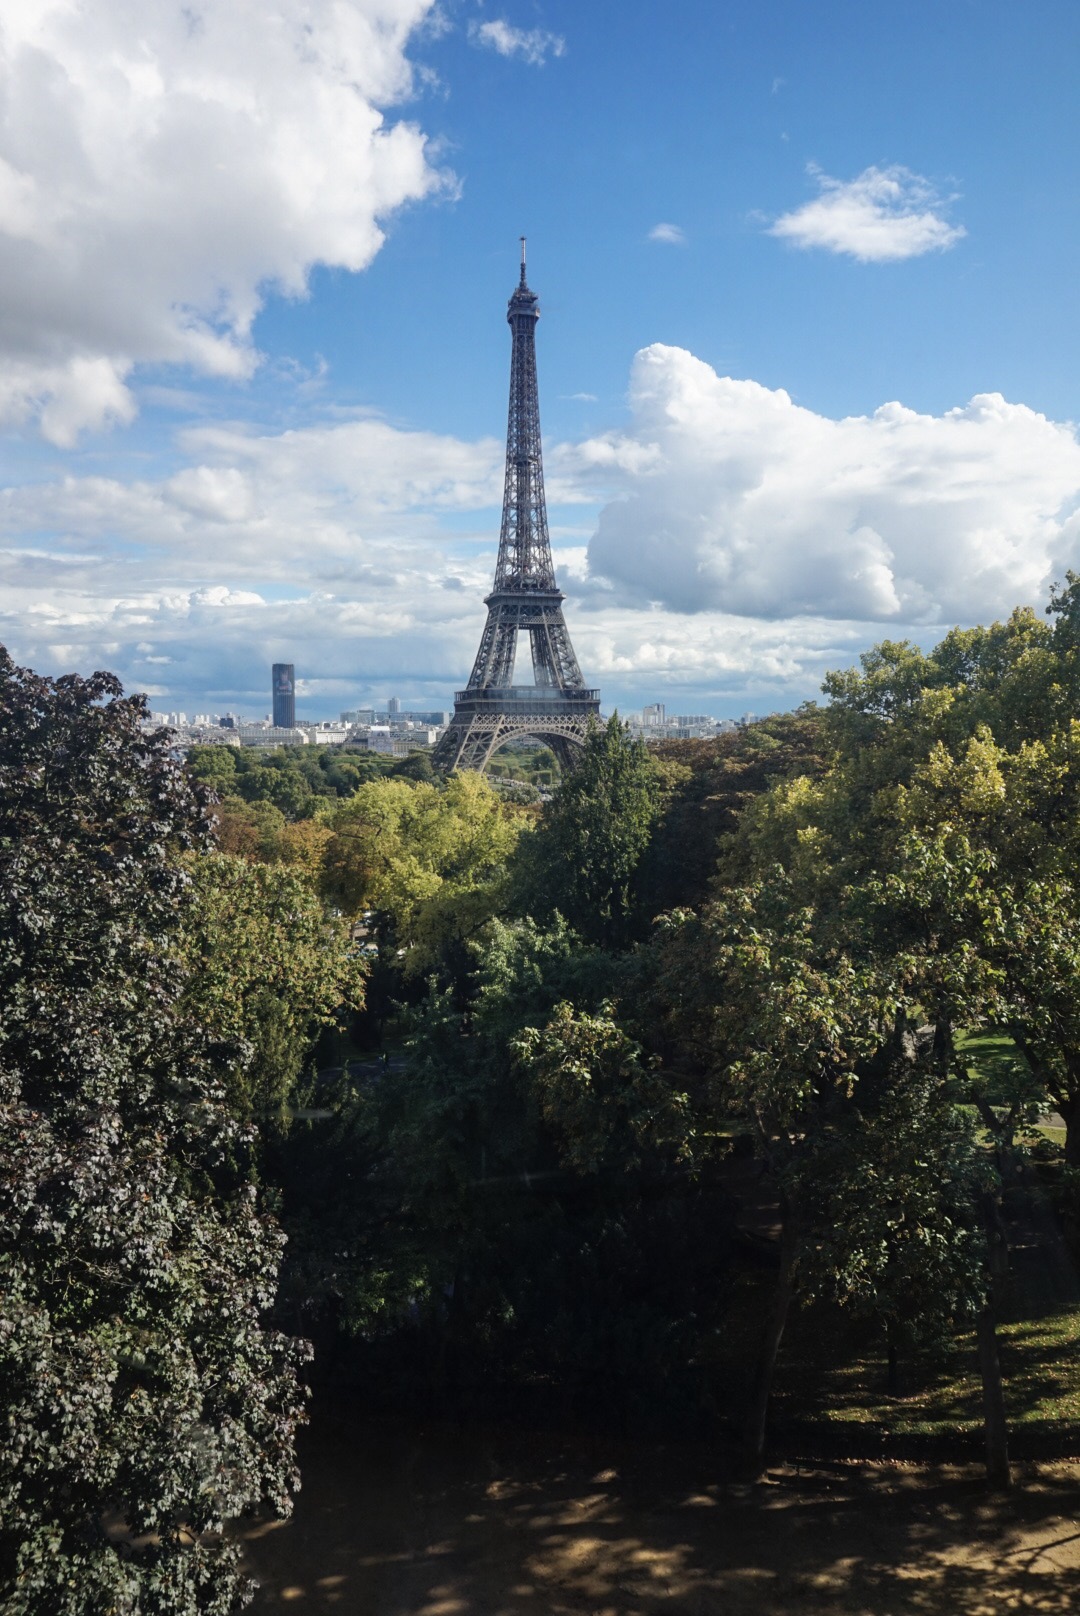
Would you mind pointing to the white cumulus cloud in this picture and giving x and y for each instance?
(533, 45)
(162, 164)
(730, 497)
(881, 215)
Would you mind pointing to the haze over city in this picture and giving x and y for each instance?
(807, 350)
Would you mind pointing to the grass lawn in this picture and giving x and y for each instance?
(997, 1068)
(942, 1408)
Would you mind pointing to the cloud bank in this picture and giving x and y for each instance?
(732, 498)
(725, 548)
(162, 163)
(883, 215)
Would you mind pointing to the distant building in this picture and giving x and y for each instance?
(284, 691)
(654, 724)
(380, 739)
(270, 735)
(393, 707)
(329, 733)
(438, 717)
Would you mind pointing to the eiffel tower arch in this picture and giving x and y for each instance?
(556, 707)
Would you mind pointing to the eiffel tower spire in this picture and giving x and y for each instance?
(555, 707)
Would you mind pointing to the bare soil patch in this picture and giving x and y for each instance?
(399, 1519)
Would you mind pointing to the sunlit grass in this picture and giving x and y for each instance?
(1040, 1360)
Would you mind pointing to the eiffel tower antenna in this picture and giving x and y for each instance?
(556, 707)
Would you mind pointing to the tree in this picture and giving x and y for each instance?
(267, 969)
(784, 1018)
(148, 1403)
(893, 1189)
(980, 876)
(800, 992)
(608, 1104)
(711, 783)
(585, 857)
(430, 859)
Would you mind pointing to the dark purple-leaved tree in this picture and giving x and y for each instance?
(147, 1403)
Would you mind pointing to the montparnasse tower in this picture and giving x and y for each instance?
(555, 707)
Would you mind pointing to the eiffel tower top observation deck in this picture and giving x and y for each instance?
(556, 707)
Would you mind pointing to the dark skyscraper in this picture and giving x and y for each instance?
(284, 695)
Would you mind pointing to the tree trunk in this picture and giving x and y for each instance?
(1064, 1095)
(754, 1436)
(998, 1473)
(893, 1359)
(1071, 1115)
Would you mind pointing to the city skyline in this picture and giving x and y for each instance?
(809, 349)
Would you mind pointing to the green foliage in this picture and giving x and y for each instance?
(495, 1240)
(534, 765)
(259, 831)
(792, 933)
(295, 779)
(525, 969)
(609, 1106)
(147, 1403)
(430, 858)
(585, 857)
(890, 1192)
(711, 783)
(267, 968)
(1018, 678)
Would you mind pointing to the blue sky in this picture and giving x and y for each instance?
(808, 354)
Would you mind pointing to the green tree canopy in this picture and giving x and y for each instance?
(585, 857)
(267, 968)
(430, 857)
(147, 1402)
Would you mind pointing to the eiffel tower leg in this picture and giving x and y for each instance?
(470, 743)
(567, 751)
(447, 749)
(477, 747)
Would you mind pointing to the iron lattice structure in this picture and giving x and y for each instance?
(556, 707)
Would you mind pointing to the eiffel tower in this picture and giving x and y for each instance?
(556, 707)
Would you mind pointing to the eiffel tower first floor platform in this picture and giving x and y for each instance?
(486, 718)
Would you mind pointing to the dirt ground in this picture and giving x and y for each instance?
(398, 1520)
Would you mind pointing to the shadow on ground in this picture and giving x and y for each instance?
(429, 1521)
